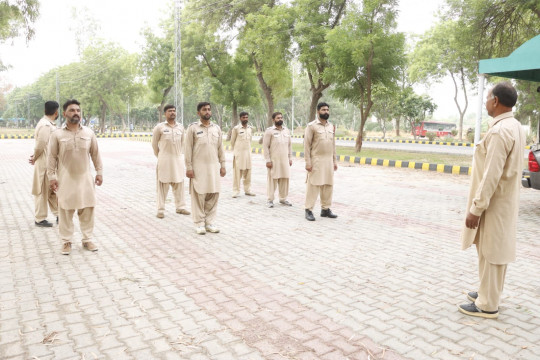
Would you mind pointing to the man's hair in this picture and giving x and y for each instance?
(51, 107)
(243, 113)
(276, 114)
(168, 106)
(70, 102)
(322, 104)
(202, 104)
(506, 93)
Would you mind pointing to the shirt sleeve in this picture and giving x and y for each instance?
(290, 145)
(234, 133)
(497, 150)
(267, 140)
(188, 156)
(308, 139)
(52, 157)
(221, 153)
(42, 138)
(95, 155)
(156, 135)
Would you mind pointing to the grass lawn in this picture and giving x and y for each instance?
(446, 159)
(16, 131)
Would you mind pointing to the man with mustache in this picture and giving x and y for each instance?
(205, 162)
(168, 146)
(241, 145)
(43, 195)
(277, 148)
(321, 162)
(68, 168)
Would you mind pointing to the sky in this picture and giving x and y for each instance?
(122, 20)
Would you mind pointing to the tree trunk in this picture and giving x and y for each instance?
(160, 109)
(398, 120)
(123, 123)
(234, 120)
(316, 95)
(102, 117)
(461, 112)
(267, 90)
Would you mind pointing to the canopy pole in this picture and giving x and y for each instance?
(478, 127)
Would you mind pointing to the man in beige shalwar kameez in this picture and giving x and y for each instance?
(43, 195)
(168, 146)
(277, 149)
(205, 163)
(321, 162)
(68, 168)
(241, 145)
(493, 202)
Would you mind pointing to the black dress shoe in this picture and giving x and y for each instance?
(43, 223)
(309, 215)
(328, 213)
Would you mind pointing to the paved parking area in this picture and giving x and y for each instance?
(380, 282)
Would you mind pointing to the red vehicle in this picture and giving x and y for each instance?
(440, 128)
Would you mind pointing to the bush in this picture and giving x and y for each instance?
(448, 139)
(454, 132)
(470, 136)
(431, 135)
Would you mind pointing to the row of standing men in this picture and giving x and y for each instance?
(63, 181)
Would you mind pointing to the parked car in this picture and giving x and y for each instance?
(531, 176)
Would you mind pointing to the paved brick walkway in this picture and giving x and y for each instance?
(380, 282)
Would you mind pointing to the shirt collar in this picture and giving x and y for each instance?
(500, 117)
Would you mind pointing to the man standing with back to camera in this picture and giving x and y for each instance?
(43, 194)
(493, 204)
(168, 146)
(68, 168)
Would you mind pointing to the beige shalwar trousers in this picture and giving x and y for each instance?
(312, 193)
(178, 192)
(46, 198)
(282, 184)
(491, 283)
(65, 223)
(238, 175)
(203, 207)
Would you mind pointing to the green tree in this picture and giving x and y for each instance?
(157, 64)
(315, 18)
(366, 53)
(494, 27)
(16, 18)
(446, 50)
(267, 40)
(414, 108)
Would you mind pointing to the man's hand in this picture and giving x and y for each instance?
(290, 162)
(53, 184)
(309, 168)
(335, 167)
(190, 174)
(31, 160)
(222, 172)
(472, 221)
(269, 164)
(99, 180)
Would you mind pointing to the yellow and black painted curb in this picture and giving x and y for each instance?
(401, 141)
(7, 136)
(441, 168)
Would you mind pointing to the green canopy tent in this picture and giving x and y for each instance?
(522, 64)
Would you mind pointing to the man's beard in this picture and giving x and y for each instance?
(324, 116)
(207, 117)
(74, 120)
(244, 123)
